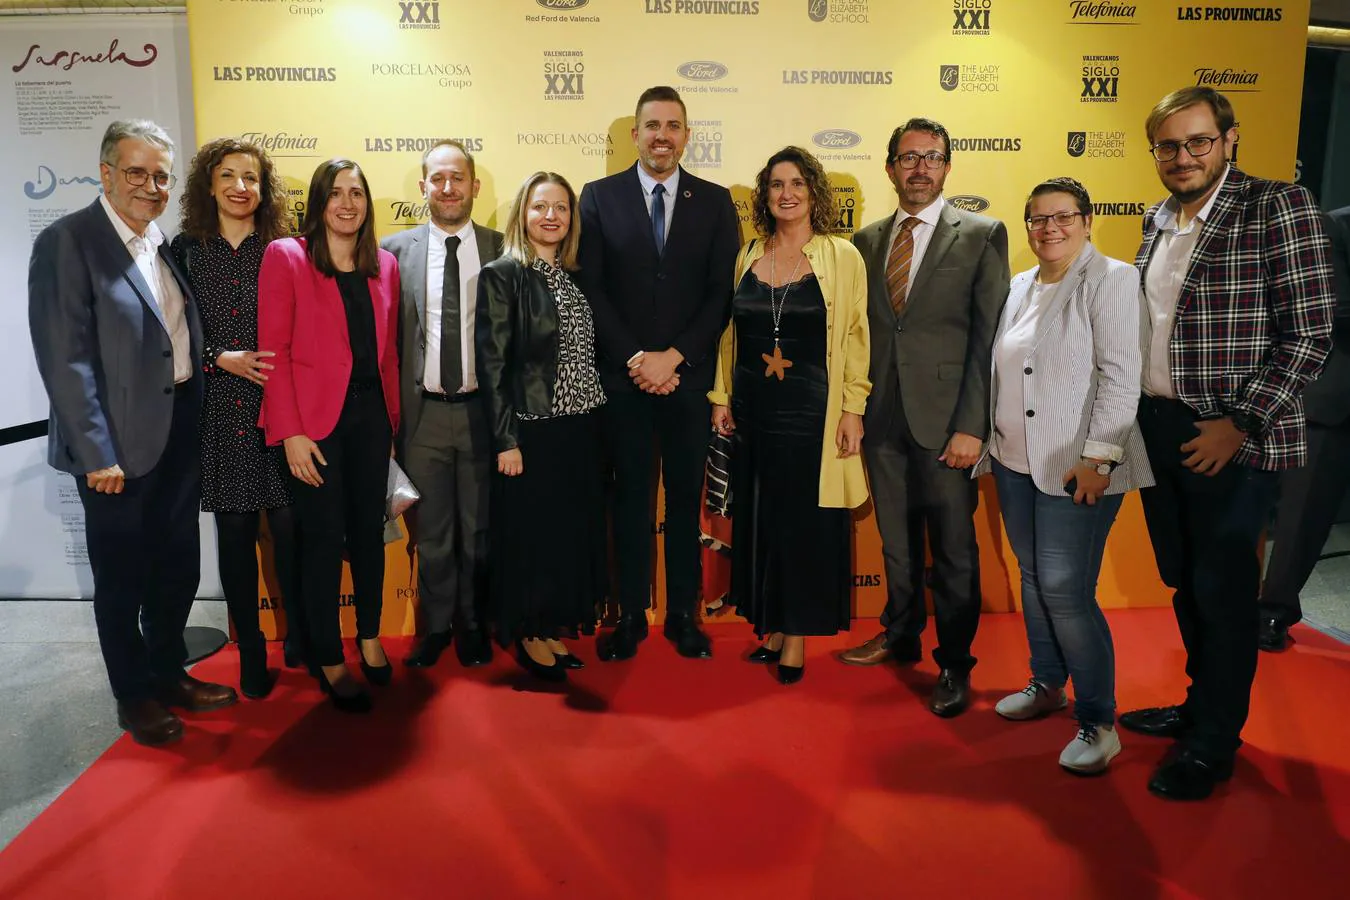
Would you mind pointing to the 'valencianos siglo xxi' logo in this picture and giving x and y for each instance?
(836, 139)
(969, 202)
(702, 70)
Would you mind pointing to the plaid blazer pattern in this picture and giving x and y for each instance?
(1254, 318)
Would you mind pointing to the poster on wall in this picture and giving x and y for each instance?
(65, 78)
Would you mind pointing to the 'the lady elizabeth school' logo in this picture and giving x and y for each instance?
(969, 202)
(817, 9)
(836, 139)
(702, 70)
(562, 4)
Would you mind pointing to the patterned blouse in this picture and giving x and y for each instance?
(578, 387)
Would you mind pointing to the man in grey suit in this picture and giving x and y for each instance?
(1311, 495)
(118, 344)
(444, 442)
(937, 279)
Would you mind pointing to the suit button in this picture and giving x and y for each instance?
(660, 276)
(1031, 414)
(168, 353)
(168, 390)
(1027, 370)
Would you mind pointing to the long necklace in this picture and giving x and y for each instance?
(777, 364)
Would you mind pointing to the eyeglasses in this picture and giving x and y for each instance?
(138, 177)
(1062, 219)
(931, 160)
(1166, 151)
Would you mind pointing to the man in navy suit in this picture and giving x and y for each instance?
(118, 344)
(658, 248)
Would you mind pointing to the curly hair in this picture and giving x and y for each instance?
(201, 218)
(818, 185)
(1061, 185)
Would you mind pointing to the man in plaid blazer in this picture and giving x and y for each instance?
(1237, 313)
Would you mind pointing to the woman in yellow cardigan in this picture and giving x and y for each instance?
(792, 385)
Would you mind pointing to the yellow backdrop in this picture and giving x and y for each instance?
(1028, 88)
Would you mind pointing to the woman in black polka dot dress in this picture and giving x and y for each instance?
(233, 204)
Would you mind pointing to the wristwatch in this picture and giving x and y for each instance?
(1247, 423)
(1103, 468)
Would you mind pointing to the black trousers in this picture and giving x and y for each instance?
(346, 512)
(911, 487)
(1310, 497)
(236, 549)
(1204, 532)
(144, 549)
(641, 431)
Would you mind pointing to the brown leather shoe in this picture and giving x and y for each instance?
(148, 722)
(188, 693)
(873, 652)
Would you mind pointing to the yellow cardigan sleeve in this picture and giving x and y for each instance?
(720, 395)
(857, 340)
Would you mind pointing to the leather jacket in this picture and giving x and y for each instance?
(516, 339)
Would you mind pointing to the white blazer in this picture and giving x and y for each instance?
(1084, 376)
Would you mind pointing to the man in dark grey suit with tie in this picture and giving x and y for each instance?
(444, 442)
(118, 343)
(937, 279)
(1311, 495)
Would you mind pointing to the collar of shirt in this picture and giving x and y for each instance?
(438, 234)
(928, 215)
(152, 235)
(1165, 219)
(672, 184)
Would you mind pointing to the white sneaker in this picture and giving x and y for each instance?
(1032, 702)
(1091, 750)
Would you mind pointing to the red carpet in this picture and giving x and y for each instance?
(667, 778)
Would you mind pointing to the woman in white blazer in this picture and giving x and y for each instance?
(1064, 450)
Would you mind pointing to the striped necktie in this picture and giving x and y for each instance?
(898, 263)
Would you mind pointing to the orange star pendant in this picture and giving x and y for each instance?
(777, 365)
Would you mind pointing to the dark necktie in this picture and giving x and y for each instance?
(659, 217)
(452, 363)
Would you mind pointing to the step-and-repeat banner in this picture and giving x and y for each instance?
(1028, 89)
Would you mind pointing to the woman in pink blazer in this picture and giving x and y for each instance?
(328, 307)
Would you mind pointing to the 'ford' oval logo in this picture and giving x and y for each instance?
(969, 202)
(562, 4)
(702, 70)
(836, 139)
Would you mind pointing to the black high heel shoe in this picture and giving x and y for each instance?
(554, 673)
(376, 675)
(568, 661)
(359, 702)
(764, 655)
(790, 674)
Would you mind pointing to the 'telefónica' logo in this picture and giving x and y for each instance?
(972, 16)
(1101, 79)
(1096, 144)
(704, 148)
(838, 77)
(702, 7)
(274, 73)
(283, 144)
(1231, 81)
(969, 203)
(419, 15)
(564, 75)
(1096, 12)
(969, 79)
(1242, 13)
(446, 74)
(847, 12)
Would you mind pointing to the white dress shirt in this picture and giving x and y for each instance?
(1009, 445)
(922, 234)
(1163, 279)
(167, 295)
(672, 186)
(469, 265)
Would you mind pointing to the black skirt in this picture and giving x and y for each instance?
(547, 533)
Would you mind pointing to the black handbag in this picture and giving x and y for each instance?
(719, 474)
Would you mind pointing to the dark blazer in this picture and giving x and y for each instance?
(640, 301)
(410, 249)
(516, 342)
(102, 347)
(1327, 400)
(937, 354)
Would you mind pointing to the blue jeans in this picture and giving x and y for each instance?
(1059, 546)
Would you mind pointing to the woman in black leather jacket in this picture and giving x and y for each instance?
(536, 365)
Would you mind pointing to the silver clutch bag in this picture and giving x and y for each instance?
(399, 494)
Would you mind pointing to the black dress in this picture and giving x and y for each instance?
(240, 473)
(790, 557)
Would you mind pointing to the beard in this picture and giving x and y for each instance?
(1205, 186)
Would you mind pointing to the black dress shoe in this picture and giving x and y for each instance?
(148, 722)
(690, 642)
(376, 675)
(764, 655)
(472, 648)
(622, 642)
(358, 702)
(255, 681)
(1188, 776)
(1273, 636)
(554, 673)
(568, 661)
(951, 696)
(790, 674)
(1157, 721)
(427, 650)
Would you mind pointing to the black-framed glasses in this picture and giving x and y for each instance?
(931, 160)
(137, 177)
(1062, 219)
(1166, 151)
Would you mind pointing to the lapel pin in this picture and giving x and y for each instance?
(688, 194)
